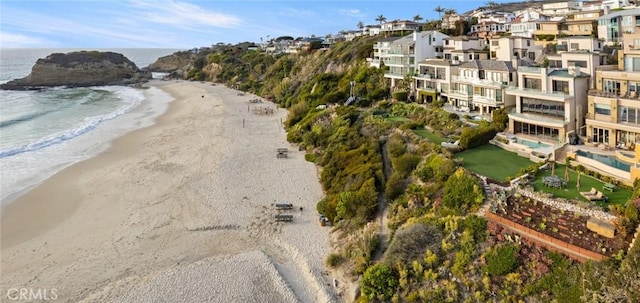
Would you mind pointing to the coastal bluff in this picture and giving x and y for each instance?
(80, 69)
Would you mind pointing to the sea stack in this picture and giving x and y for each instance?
(80, 69)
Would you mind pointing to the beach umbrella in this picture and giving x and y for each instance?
(578, 181)
(566, 173)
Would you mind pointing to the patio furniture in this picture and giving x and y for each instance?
(608, 186)
(589, 194)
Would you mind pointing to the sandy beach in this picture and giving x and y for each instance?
(181, 211)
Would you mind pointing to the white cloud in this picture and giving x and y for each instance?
(182, 14)
(10, 40)
(351, 13)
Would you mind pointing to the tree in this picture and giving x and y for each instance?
(439, 9)
(450, 11)
(462, 192)
(492, 4)
(381, 19)
(417, 18)
(379, 282)
(360, 24)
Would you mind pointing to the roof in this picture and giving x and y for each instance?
(565, 74)
(496, 65)
(438, 62)
(622, 13)
(462, 38)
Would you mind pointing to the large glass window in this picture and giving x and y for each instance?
(532, 83)
(600, 135)
(629, 114)
(603, 109)
(536, 130)
(611, 86)
(543, 107)
(576, 63)
(561, 86)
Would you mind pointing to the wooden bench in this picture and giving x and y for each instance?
(284, 206)
(608, 186)
(282, 152)
(284, 218)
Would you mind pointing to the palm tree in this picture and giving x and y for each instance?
(439, 9)
(417, 18)
(381, 19)
(492, 4)
(360, 24)
(450, 11)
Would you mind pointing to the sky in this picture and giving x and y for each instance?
(187, 24)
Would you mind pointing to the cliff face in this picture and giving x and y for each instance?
(179, 62)
(83, 68)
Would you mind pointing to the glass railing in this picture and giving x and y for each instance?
(516, 90)
(529, 69)
(476, 81)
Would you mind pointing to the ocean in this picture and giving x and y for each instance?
(44, 131)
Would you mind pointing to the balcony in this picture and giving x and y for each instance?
(484, 100)
(460, 94)
(536, 93)
(562, 48)
(428, 77)
(476, 81)
(530, 69)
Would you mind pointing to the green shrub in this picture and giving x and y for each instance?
(311, 157)
(472, 137)
(502, 260)
(462, 192)
(379, 282)
(400, 95)
(333, 260)
(411, 242)
(405, 164)
(395, 186)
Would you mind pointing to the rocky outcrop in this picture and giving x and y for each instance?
(79, 69)
(176, 62)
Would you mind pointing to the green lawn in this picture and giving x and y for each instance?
(619, 196)
(493, 162)
(423, 133)
(397, 119)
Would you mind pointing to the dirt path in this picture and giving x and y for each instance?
(383, 210)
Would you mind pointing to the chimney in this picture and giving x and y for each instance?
(515, 62)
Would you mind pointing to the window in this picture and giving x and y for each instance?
(636, 64)
(543, 107)
(528, 42)
(447, 56)
(494, 43)
(470, 56)
(600, 135)
(576, 63)
(603, 109)
(634, 86)
(574, 46)
(532, 56)
(561, 86)
(611, 86)
(493, 54)
(476, 56)
(446, 42)
(532, 83)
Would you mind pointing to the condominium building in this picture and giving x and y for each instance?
(433, 79)
(612, 26)
(550, 103)
(480, 85)
(465, 48)
(613, 117)
(401, 54)
(507, 48)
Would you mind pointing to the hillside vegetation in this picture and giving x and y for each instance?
(432, 247)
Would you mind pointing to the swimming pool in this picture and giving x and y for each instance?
(531, 144)
(605, 159)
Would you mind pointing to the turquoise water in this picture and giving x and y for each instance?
(531, 143)
(605, 159)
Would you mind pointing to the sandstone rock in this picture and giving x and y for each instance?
(79, 69)
(601, 227)
(172, 63)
